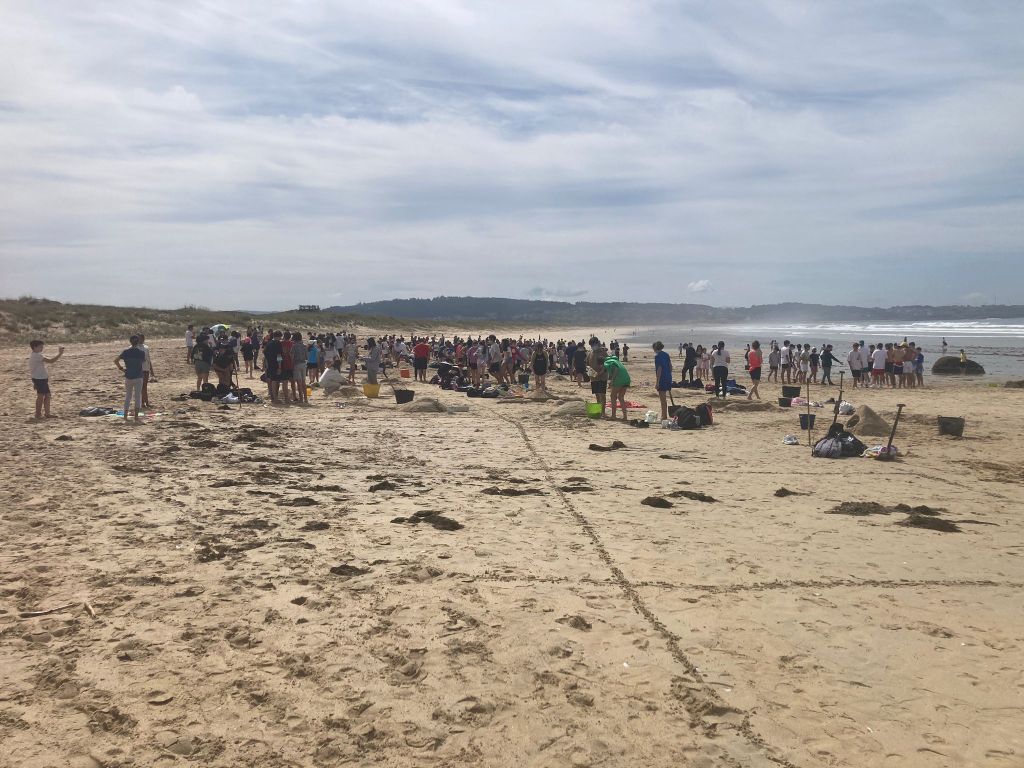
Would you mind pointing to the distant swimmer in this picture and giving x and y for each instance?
(945, 346)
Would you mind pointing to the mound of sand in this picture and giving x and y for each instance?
(348, 391)
(866, 422)
(742, 405)
(423, 405)
(571, 408)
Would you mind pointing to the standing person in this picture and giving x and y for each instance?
(372, 360)
(827, 358)
(618, 378)
(919, 367)
(224, 365)
(878, 367)
(351, 357)
(579, 363)
(774, 358)
(720, 369)
(247, 352)
(945, 346)
(805, 362)
(300, 355)
(256, 339)
(313, 361)
(755, 361)
(963, 361)
(785, 361)
(273, 354)
(663, 376)
(148, 374)
(189, 343)
(202, 359)
(856, 360)
(599, 377)
(539, 366)
(690, 361)
(131, 362)
(41, 377)
(814, 360)
(681, 345)
(421, 359)
(494, 358)
(625, 353)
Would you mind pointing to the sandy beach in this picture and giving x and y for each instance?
(234, 587)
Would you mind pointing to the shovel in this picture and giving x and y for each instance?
(887, 455)
(672, 409)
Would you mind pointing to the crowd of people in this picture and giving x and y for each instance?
(290, 363)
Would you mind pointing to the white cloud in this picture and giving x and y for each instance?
(441, 147)
(699, 286)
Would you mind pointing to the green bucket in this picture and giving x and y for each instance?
(595, 410)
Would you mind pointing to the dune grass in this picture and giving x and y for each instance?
(27, 318)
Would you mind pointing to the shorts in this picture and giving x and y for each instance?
(247, 355)
(285, 374)
(598, 387)
(42, 386)
(755, 374)
(897, 370)
(888, 367)
(419, 363)
(773, 367)
(494, 367)
(878, 373)
(299, 373)
(202, 367)
(312, 366)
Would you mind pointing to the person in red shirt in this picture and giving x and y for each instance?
(754, 361)
(420, 359)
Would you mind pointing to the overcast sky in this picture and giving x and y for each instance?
(259, 155)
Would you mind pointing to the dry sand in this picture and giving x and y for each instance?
(256, 604)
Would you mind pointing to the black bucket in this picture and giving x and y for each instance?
(524, 378)
(404, 396)
(785, 402)
(791, 392)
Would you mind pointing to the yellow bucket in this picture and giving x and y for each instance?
(371, 390)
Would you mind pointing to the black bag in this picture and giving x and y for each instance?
(208, 387)
(473, 391)
(705, 415)
(686, 418)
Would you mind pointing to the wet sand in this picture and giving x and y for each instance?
(272, 586)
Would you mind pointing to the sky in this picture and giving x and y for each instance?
(261, 155)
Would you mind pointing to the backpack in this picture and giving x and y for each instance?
(828, 448)
(705, 414)
(197, 353)
(687, 418)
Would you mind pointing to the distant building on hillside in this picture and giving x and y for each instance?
(309, 307)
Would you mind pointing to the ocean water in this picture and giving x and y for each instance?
(997, 344)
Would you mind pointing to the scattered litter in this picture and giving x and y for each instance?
(694, 495)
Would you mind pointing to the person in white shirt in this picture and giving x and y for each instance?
(190, 341)
(720, 368)
(41, 377)
(856, 361)
(878, 358)
(332, 379)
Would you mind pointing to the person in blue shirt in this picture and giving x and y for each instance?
(131, 362)
(663, 371)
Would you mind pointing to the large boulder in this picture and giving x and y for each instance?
(951, 364)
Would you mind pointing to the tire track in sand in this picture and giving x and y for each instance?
(706, 708)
